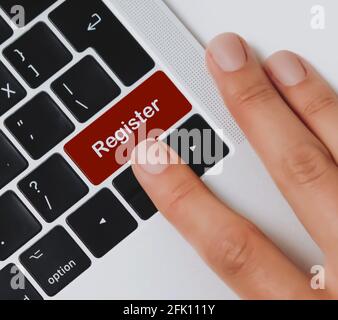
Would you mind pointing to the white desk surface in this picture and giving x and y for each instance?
(268, 26)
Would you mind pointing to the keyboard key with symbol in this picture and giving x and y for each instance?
(95, 26)
(102, 223)
(53, 188)
(17, 225)
(133, 193)
(15, 287)
(11, 91)
(39, 125)
(86, 88)
(37, 55)
(55, 261)
(198, 145)
(32, 8)
(12, 163)
(5, 31)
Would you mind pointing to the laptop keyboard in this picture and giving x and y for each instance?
(41, 126)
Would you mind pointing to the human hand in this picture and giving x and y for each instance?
(290, 116)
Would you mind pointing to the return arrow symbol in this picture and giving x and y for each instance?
(92, 26)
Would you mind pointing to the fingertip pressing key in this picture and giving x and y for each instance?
(152, 156)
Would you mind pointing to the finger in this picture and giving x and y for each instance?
(308, 94)
(297, 160)
(232, 246)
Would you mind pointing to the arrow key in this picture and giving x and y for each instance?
(102, 223)
(198, 145)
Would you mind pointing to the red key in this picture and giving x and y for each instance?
(106, 145)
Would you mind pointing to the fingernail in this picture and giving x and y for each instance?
(152, 156)
(287, 68)
(228, 52)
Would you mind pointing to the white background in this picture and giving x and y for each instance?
(268, 25)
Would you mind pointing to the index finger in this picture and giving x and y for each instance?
(241, 255)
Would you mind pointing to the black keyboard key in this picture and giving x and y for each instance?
(32, 7)
(55, 261)
(12, 163)
(92, 24)
(37, 55)
(132, 192)
(39, 125)
(17, 225)
(102, 223)
(15, 287)
(86, 89)
(5, 30)
(53, 188)
(11, 91)
(198, 145)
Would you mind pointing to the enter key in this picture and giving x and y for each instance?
(106, 145)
